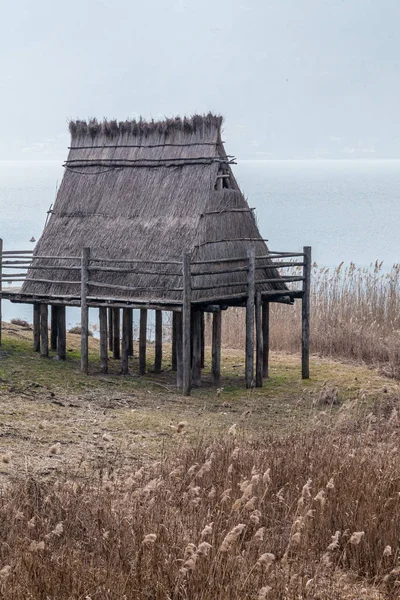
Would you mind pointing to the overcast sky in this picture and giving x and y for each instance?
(293, 78)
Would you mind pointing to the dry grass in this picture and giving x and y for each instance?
(355, 315)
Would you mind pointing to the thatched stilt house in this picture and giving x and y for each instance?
(149, 215)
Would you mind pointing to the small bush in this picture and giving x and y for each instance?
(78, 330)
(21, 323)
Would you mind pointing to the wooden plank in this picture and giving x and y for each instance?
(196, 349)
(259, 342)
(137, 261)
(133, 271)
(126, 288)
(142, 341)
(265, 329)
(36, 327)
(305, 315)
(8, 252)
(103, 339)
(110, 329)
(44, 331)
(179, 349)
(186, 317)
(84, 311)
(173, 341)
(116, 349)
(249, 367)
(62, 333)
(54, 326)
(216, 348)
(130, 349)
(125, 341)
(1, 288)
(158, 343)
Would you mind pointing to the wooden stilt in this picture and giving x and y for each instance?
(54, 326)
(250, 321)
(84, 311)
(130, 349)
(179, 349)
(202, 340)
(158, 343)
(259, 342)
(173, 339)
(110, 329)
(125, 340)
(216, 348)
(36, 327)
(103, 339)
(44, 331)
(305, 315)
(265, 328)
(1, 285)
(186, 337)
(61, 333)
(196, 356)
(116, 326)
(142, 341)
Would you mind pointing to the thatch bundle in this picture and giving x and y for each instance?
(147, 190)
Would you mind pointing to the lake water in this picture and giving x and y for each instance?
(345, 210)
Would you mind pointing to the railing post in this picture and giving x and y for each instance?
(1, 283)
(186, 318)
(305, 315)
(250, 319)
(84, 310)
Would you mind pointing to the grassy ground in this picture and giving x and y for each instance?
(52, 417)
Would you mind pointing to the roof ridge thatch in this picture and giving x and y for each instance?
(113, 128)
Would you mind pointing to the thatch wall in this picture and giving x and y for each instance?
(146, 191)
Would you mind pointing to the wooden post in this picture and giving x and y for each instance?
(103, 339)
(196, 356)
(179, 349)
(202, 340)
(1, 284)
(265, 328)
(250, 320)
(54, 326)
(36, 327)
(305, 315)
(44, 331)
(116, 326)
(158, 343)
(130, 349)
(142, 341)
(216, 348)
(84, 311)
(174, 338)
(259, 342)
(61, 333)
(110, 329)
(186, 312)
(125, 340)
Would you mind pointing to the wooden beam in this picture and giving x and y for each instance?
(173, 340)
(186, 317)
(116, 326)
(216, 348)
(142, 341)
(179, 349)
(259, 342)
(203, 341)
(196, 349)
(103, 339)
(110, 329)
(84, 311)
(158, 343)
(250, 320)
(44, 331)
(36, 327)
(305, 315)
(54, 327)
(125, 341)
(130, 349)
(265, 329)
(61, 333)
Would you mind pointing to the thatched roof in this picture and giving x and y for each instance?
(147, 190)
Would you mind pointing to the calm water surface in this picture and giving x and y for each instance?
(345, 210)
